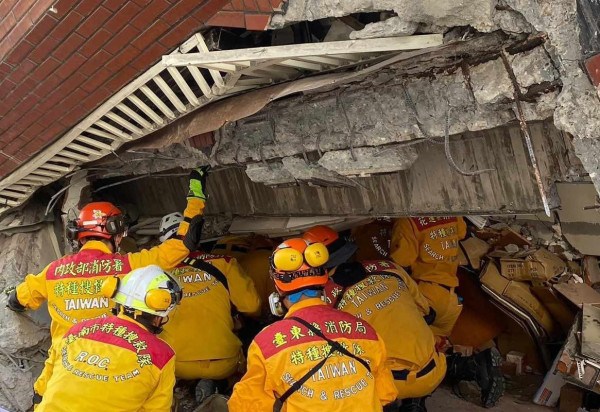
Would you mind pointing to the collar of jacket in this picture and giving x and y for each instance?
(304, 304)
(96, 245)
(131, 320)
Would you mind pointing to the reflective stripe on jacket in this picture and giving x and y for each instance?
(201, 327)
(111, 364)
(429, 246)
(285, 351)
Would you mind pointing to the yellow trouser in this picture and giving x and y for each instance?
(446, 306)
(208, 369)
(417, 387)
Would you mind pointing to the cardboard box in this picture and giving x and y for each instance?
(475, 250)
(518, 293)
(521, 270)
(553, 265)
(538, 266)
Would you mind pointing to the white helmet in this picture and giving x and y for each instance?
(169, 225)
(149, 289)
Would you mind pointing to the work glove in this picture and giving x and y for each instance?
(191, 239)
(12, 302)
(198, 182)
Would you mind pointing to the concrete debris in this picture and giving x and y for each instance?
(338, 31)
(392, 27)
(272, 174)
(533, 67)
(511, 21)
(542, 108)
(491, 83)
(368, 160)
(139, 162)
(15, 389)
(313, 173)
(477, 13)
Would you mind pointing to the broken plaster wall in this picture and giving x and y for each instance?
(23, 337)
(577, 108)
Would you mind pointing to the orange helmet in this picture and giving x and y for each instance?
(98, 219)
(297, 264)
(340, 250)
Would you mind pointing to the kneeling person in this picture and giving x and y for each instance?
(201, 330)
(316, 358)
(117, 362)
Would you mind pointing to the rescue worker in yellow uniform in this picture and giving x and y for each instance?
(201, 329)
(316, 358)
(382, 293)
(71, 285)
(116, 363)
(252, 253)
(373, 239)
(429, 246)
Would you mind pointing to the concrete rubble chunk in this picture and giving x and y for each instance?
(543, 108)
(533, 67)
(370, 160)
(477, 13)
(272, 174)
(313, 173)
(392, 27)
(15, 389)
(491, 83)
(511, 21)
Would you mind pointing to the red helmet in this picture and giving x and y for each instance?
(340, 250)
(298, 264)
(99, 219)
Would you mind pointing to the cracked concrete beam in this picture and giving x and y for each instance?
(379, 111)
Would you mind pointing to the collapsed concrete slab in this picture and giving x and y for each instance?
(388, 109)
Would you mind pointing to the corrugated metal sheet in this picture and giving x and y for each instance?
(431, 186)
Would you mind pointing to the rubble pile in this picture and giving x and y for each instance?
(531, 273)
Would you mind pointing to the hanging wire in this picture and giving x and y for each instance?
(411, 104)
(449, 154)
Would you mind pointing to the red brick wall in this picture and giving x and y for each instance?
(248, 14)
(56, 68)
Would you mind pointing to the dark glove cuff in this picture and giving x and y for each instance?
(14, 304)
(430, 318)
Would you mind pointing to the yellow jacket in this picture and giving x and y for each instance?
(395, 308)
(256, 265)
(429, 246)
(201, 327)
(111, 364)
(71, 284)
(286, 350)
